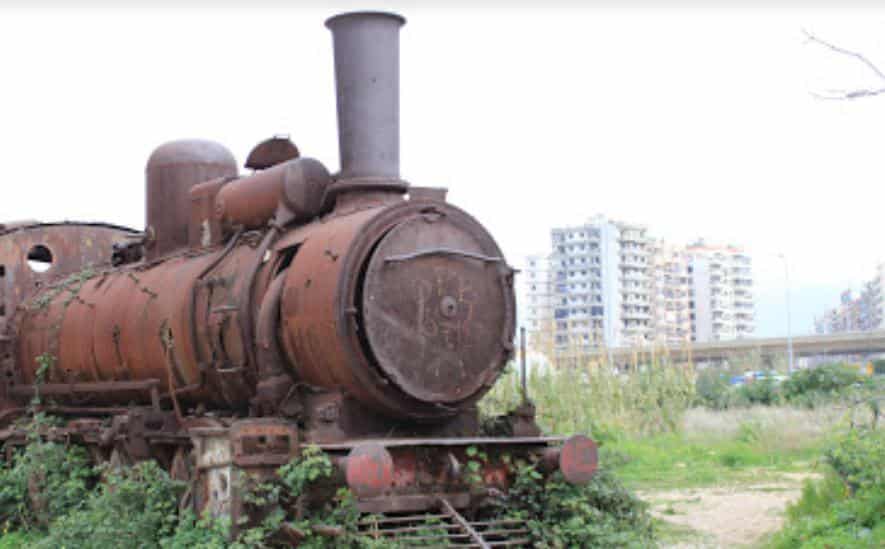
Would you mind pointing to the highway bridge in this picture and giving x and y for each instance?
(808, 345)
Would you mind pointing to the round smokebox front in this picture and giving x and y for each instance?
(438, 307)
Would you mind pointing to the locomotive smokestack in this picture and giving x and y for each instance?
(367, 82)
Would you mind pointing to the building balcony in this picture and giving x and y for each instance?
(639, 290)
(720, 326)
(633, 237)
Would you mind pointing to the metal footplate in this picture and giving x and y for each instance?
(448, 528)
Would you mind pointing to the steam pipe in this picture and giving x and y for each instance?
(366, 46)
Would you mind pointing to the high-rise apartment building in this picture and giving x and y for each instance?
(873, 296)
(536, 305)
(595, 289)
(856, 314)
(608, 283)
(845, 317)
(701, 293)
(722, 292)
(671, 294)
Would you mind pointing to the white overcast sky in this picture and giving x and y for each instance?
(695, 121)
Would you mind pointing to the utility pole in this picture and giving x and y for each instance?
(789, 328)
(522, 370)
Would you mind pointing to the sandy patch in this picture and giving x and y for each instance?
(727, 516)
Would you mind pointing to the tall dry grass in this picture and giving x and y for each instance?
(771, 427)
(646, 399)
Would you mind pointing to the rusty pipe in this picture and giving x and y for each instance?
(298, 185)
(366, 48)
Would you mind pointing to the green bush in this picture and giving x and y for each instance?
(825, 381)
(808, 388)
(600, 514)
(44, 480)
(712, 389)
(847, 507)
(837, 521)
(859, 458)
(202, 533)
(132, 507)
(761, 391)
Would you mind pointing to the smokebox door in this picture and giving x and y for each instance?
(434, 305)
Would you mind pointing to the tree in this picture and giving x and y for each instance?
(845, 95)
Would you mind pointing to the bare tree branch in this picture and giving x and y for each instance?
(847, 94)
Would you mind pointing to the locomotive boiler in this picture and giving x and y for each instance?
(259, 313)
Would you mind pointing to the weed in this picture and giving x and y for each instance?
(132, 507)
(713, 447)
(44, 480)
(71, 284)
(601, 514)
(847, 507)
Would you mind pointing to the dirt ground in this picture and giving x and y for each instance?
(726, 516)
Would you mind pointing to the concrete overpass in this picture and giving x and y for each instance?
(813, 345)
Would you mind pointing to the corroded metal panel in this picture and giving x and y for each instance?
(56, 250)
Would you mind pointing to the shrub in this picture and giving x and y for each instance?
(601, 514)
(132, 507)
(44, 481)
(712, 389)
(761, 391)
(847, 507)
(859, 458)
(194, 533)
(824, 518)
(808, 386)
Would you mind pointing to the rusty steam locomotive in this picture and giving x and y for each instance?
(260, 313)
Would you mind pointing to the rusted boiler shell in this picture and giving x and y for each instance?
(172, 170)
(175, 322)
(406, 305)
